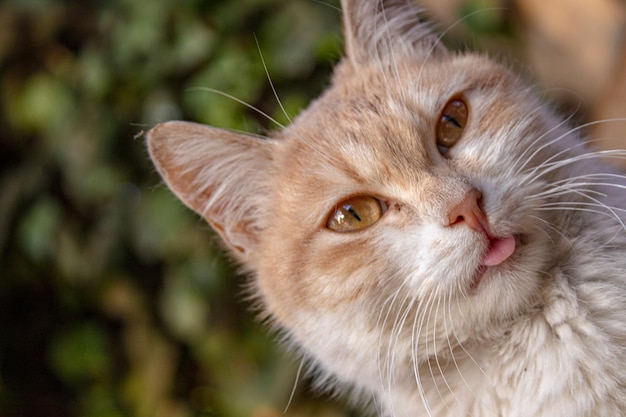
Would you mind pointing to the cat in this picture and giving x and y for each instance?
(428, 232)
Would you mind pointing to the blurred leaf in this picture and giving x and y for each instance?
(290, 39)
(236, 74)
(184, 308)
(163, 227)
(193, 42)
(39, 230)
(99, 401)
(43, 103)
(96, 77)
(146, 321)
(81, 354)
(483, 16)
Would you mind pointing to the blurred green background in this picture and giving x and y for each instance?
(114, 298)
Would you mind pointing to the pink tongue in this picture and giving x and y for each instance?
(499, 251)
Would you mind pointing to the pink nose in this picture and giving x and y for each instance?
(468, 212)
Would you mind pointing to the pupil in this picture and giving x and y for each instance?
(353, 212)
(452, 120)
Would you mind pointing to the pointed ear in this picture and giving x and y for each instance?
(215, 173)
(375, 29)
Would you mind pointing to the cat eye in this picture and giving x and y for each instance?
(355, 213)
(451, 124)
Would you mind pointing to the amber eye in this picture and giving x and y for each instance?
(355, 213)
(451, 124)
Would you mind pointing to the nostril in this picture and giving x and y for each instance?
(459, 219)
(468, 212)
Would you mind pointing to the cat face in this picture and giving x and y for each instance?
(369, 148)
(400, 215)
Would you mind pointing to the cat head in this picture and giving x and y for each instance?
(400, 208)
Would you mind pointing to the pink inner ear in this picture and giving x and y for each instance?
(500, 250)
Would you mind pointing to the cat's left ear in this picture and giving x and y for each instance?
(376, 29)
(218, 174)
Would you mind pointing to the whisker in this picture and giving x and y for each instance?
(540, 138)
(323, 3)
(230, 96)
(555, 158)
(561, 137)
(295, 386)
(554, 228)
(565, 189)
(451, 349)
(436, 296)
(576, 207)
(437, 361)
(269, 79)
(418, 323)
(593, 175)
(552, 166)
(389, 357)
(482, 371)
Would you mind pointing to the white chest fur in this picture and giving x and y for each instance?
(563, 359)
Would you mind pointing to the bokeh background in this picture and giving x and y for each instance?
(115, 300)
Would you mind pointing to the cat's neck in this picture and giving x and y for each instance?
(554, 344)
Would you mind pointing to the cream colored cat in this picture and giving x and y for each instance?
(427, 231)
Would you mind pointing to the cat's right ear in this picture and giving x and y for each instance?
(376, 29)
(215, 173)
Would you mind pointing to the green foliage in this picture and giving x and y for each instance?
(114, 298)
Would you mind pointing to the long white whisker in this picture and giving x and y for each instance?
(551, 226)
(323, 3)
(295, 386)
(579, 186)
(418, 323)
(230, 96)
(482, 371)
(387, 370)
(610, 211)
(436, 355)
(561, 137)
(269, 79)
(540, 138)
(436, 296)
(555, 158)
(552, 166)
(445, 310)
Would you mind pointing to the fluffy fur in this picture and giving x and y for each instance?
(396, 310)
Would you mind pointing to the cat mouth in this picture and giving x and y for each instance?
(497, 252)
